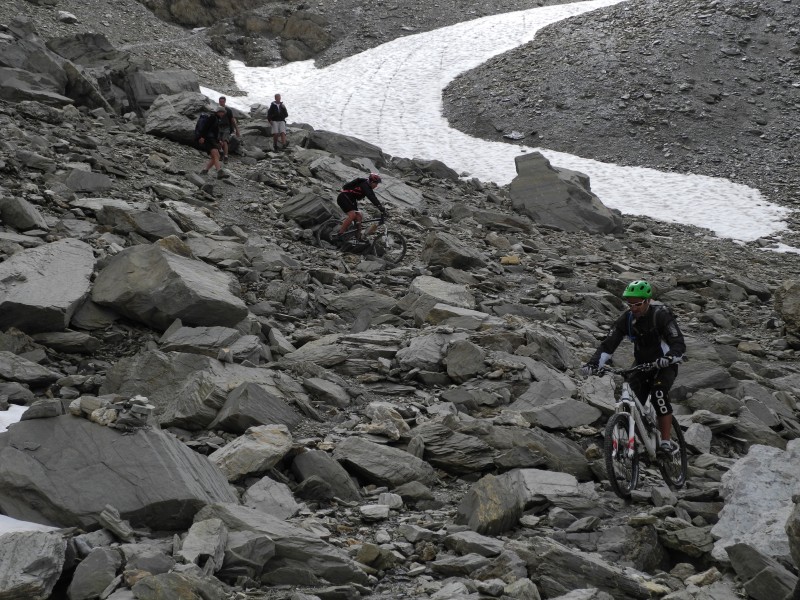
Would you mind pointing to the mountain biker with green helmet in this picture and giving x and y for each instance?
(656, 339)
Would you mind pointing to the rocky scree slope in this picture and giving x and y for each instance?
(458, 365)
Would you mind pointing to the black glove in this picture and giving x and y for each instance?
(588, 369)
(383, 210)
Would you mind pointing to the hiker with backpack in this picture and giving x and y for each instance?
(227, 125)
(207, 138)
(276, 115)
(351, 193)
(657, 339)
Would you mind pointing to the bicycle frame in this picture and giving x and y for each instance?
(628, 402)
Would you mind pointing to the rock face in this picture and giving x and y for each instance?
(559, 198)
(150, 477)
(758, 492)
(155, 286)
(30, 564)
(41, 288)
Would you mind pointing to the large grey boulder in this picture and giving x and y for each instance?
(145, 86)
(155, 286)
(559, 198)
(316, 463)
(257, 450)
(559, 569)
(382, 465)
(188, 390)
(28, 70)
(30, 564)
(758, 492)
(41, 288)
(65, 470)
(20, 369)
(174, 116)
(250, 405)
(150, 224)
(446, 250)
(442, 291)
(344, 146)
(298, 553)
(21, 214)
(17, 85)
(95, 573)
(88, 182)
(309, 208)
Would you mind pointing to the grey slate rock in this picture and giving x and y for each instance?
(111, 470)
(559, 198)
(95, 573)
(42, 287)
(296, 550)
(30, 564)
(321, 464)
(382, 465)
(155, 286)
(249, 405)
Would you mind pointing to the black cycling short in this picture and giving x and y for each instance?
(658, 383)
(346, 202)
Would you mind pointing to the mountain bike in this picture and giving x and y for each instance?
(377, 239)
(631, 432)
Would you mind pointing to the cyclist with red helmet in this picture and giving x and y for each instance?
(351, 193)
(656, 339)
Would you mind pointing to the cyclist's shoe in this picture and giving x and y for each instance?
(668, 447)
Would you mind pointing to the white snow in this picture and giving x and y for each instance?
(12, 415)
(391, 96)
(7, 525)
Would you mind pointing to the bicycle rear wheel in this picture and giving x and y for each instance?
(390, 246)
(673, 467)
(324, 231)
(622, 468)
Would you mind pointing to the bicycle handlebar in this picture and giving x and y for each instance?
(642, 367)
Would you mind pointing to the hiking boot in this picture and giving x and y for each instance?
(222, 174)
(204, 172)
(668, 447)
(224, 159)
(275, 147)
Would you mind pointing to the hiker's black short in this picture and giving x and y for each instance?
(346, 202)
(208, 146)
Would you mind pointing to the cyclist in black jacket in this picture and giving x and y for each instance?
(656, 339)
(351, 193)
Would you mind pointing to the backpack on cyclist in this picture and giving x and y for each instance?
(200, 126)
(355, 185)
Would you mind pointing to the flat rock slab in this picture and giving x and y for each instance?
(42, 287)
(74, 468)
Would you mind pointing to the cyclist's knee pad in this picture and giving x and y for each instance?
(661, 402)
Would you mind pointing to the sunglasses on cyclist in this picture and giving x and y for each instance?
(635, 304)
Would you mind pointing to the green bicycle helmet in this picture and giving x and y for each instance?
(638, 289)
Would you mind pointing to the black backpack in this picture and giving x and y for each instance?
(354, 186)
(200, 126)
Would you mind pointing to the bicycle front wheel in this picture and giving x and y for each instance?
(622, 456)
(390, 246)
(674, 466)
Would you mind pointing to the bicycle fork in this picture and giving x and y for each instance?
(628, 447)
